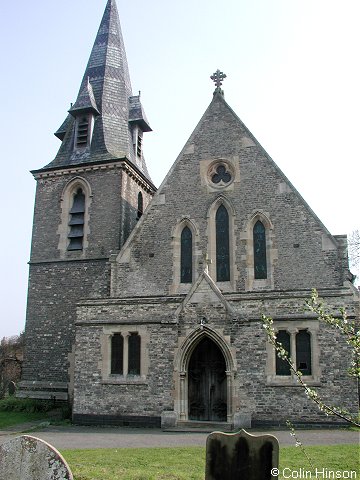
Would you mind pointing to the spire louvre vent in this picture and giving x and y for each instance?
(82, 132)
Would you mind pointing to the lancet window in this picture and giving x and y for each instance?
(186, 256)
(140, 205)
(222, 245)
(259, 242)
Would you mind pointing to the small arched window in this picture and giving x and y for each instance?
(117, 352)
(140, 206)
(222, 245)
(134, 354)
(303, 352)
(282, 367)
(76, 221)
(186, 256)
(259, 241)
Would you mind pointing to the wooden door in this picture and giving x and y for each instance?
(207, 383)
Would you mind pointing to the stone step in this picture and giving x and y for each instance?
(200, 427)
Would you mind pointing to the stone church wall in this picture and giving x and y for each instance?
(301, 251)
(51, 314)
(141, 401)
(58, 278)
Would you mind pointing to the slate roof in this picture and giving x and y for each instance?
(137, 114)
(106, 90)
(85, 101)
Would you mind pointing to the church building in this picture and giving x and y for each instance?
(145, 304)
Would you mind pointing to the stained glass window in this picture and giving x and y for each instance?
(303, 352)
(134, 354)
(186, 256)
(259, 237)
(222, 245)
(76, 222)
(117, 351)
(282, 367)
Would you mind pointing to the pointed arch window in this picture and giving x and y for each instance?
(76, 221)
(222, 245)
(186, 256)
(259, 242)
(140, 206)
(282, 367)
(303, 352)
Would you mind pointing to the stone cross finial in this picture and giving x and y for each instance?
(218, 78)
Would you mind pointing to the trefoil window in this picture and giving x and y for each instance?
(221, 175)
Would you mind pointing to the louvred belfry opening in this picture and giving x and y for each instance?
(82, 131)
(76, 222)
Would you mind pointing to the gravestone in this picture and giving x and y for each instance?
(241, 456)
(29, 458)
(11, 388)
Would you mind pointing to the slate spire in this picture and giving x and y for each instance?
(105, 92)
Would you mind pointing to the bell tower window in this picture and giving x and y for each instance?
(76, 221)
(83, 132)
(139, 144)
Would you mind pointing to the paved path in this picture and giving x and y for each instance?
(72, 437)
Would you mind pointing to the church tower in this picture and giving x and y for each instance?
(88, 200)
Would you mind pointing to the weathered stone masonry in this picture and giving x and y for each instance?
(201, 351)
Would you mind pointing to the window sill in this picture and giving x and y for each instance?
(121, 380)
(291, 381)
(261, 284)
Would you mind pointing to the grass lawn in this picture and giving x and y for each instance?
(7, 419)
(188, 463)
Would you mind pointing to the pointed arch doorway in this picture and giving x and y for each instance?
(207, 383)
